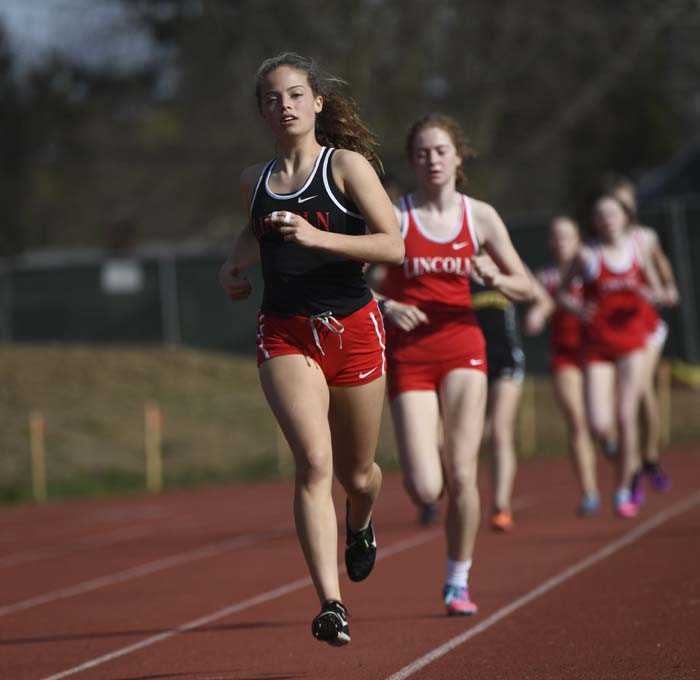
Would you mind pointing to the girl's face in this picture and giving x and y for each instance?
(563, 239)
(287, 102)
(609, 219)
(625, 194)
(434, 158)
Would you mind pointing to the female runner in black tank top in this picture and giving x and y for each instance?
(316, 216)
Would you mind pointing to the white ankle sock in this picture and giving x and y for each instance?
(458, 573)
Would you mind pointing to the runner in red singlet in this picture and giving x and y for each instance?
(648, 241)
(566, 355)
(614, 284)
(317, 214)
(435, 349)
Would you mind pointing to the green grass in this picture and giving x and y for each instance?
(218, 427)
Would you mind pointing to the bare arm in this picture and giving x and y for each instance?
(542, 308)
(506, 272)
(246, 251)
(662, 265)
(356, 178)
(576, 269)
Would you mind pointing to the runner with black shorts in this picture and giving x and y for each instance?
(317, 214)
(498, 319)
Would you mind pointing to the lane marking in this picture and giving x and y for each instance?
(267, 596)
(610, 549)
(141, 570)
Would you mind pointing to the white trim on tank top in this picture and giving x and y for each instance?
(326, 183)
(405, 222)
(470, 223)
(627, 263)
(309, 179)
(425, 233)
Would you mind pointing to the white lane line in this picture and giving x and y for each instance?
(617, 545)
(383, 553)
(141, 570)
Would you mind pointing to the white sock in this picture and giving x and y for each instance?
(458, 573)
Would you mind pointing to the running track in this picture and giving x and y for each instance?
(210, 585)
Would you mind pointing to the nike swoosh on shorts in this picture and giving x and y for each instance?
(362, 376)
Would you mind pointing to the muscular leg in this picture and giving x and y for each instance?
(416, 417)
(650, 403)
(298, 396)
(600, 390)
(568, 386)
(463, 402)
(505, 395)
(630, 381)
(354, 416)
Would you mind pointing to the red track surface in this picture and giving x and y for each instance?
(83, 580)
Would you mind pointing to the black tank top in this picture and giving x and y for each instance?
(497, 317)
(299, 280)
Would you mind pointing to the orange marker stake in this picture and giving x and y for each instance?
(154, 447)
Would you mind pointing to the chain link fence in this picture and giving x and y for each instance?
(171, 295)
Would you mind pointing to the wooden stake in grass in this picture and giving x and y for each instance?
(664, 387)
(37, 450)
(527, 421)
(154, 447)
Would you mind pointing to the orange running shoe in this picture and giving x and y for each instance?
(502, 520)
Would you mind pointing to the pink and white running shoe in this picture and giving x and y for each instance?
(457, 601)
(624, 504)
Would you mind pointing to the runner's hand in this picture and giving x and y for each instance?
(406, 317)
(294, 228)
(237, 287)
(535, 321)
(487, 270)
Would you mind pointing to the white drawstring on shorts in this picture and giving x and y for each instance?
(328, 321)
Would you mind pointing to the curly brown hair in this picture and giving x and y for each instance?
(453, 129)
(338, 124)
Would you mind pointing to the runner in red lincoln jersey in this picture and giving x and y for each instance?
(566, 358)
(614, 280)
(435, 349)
(648, 241)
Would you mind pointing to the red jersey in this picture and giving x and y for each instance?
(565, 328)
(618, 325)
(434, 277)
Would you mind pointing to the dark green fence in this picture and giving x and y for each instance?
(173, 296)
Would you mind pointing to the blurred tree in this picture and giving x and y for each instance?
(550, 94)
(13, 167)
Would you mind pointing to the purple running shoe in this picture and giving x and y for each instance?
(658, 478)
(638, 495)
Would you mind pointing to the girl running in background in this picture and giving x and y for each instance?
(316, 215)
(613, 274)
(498, 319)
(435, 348)
(566, 357)
(648, 241)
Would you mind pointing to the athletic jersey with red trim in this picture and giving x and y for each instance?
(618, 324)
(303, 281)
(651, 315)
(565, 328)
(435, 278)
